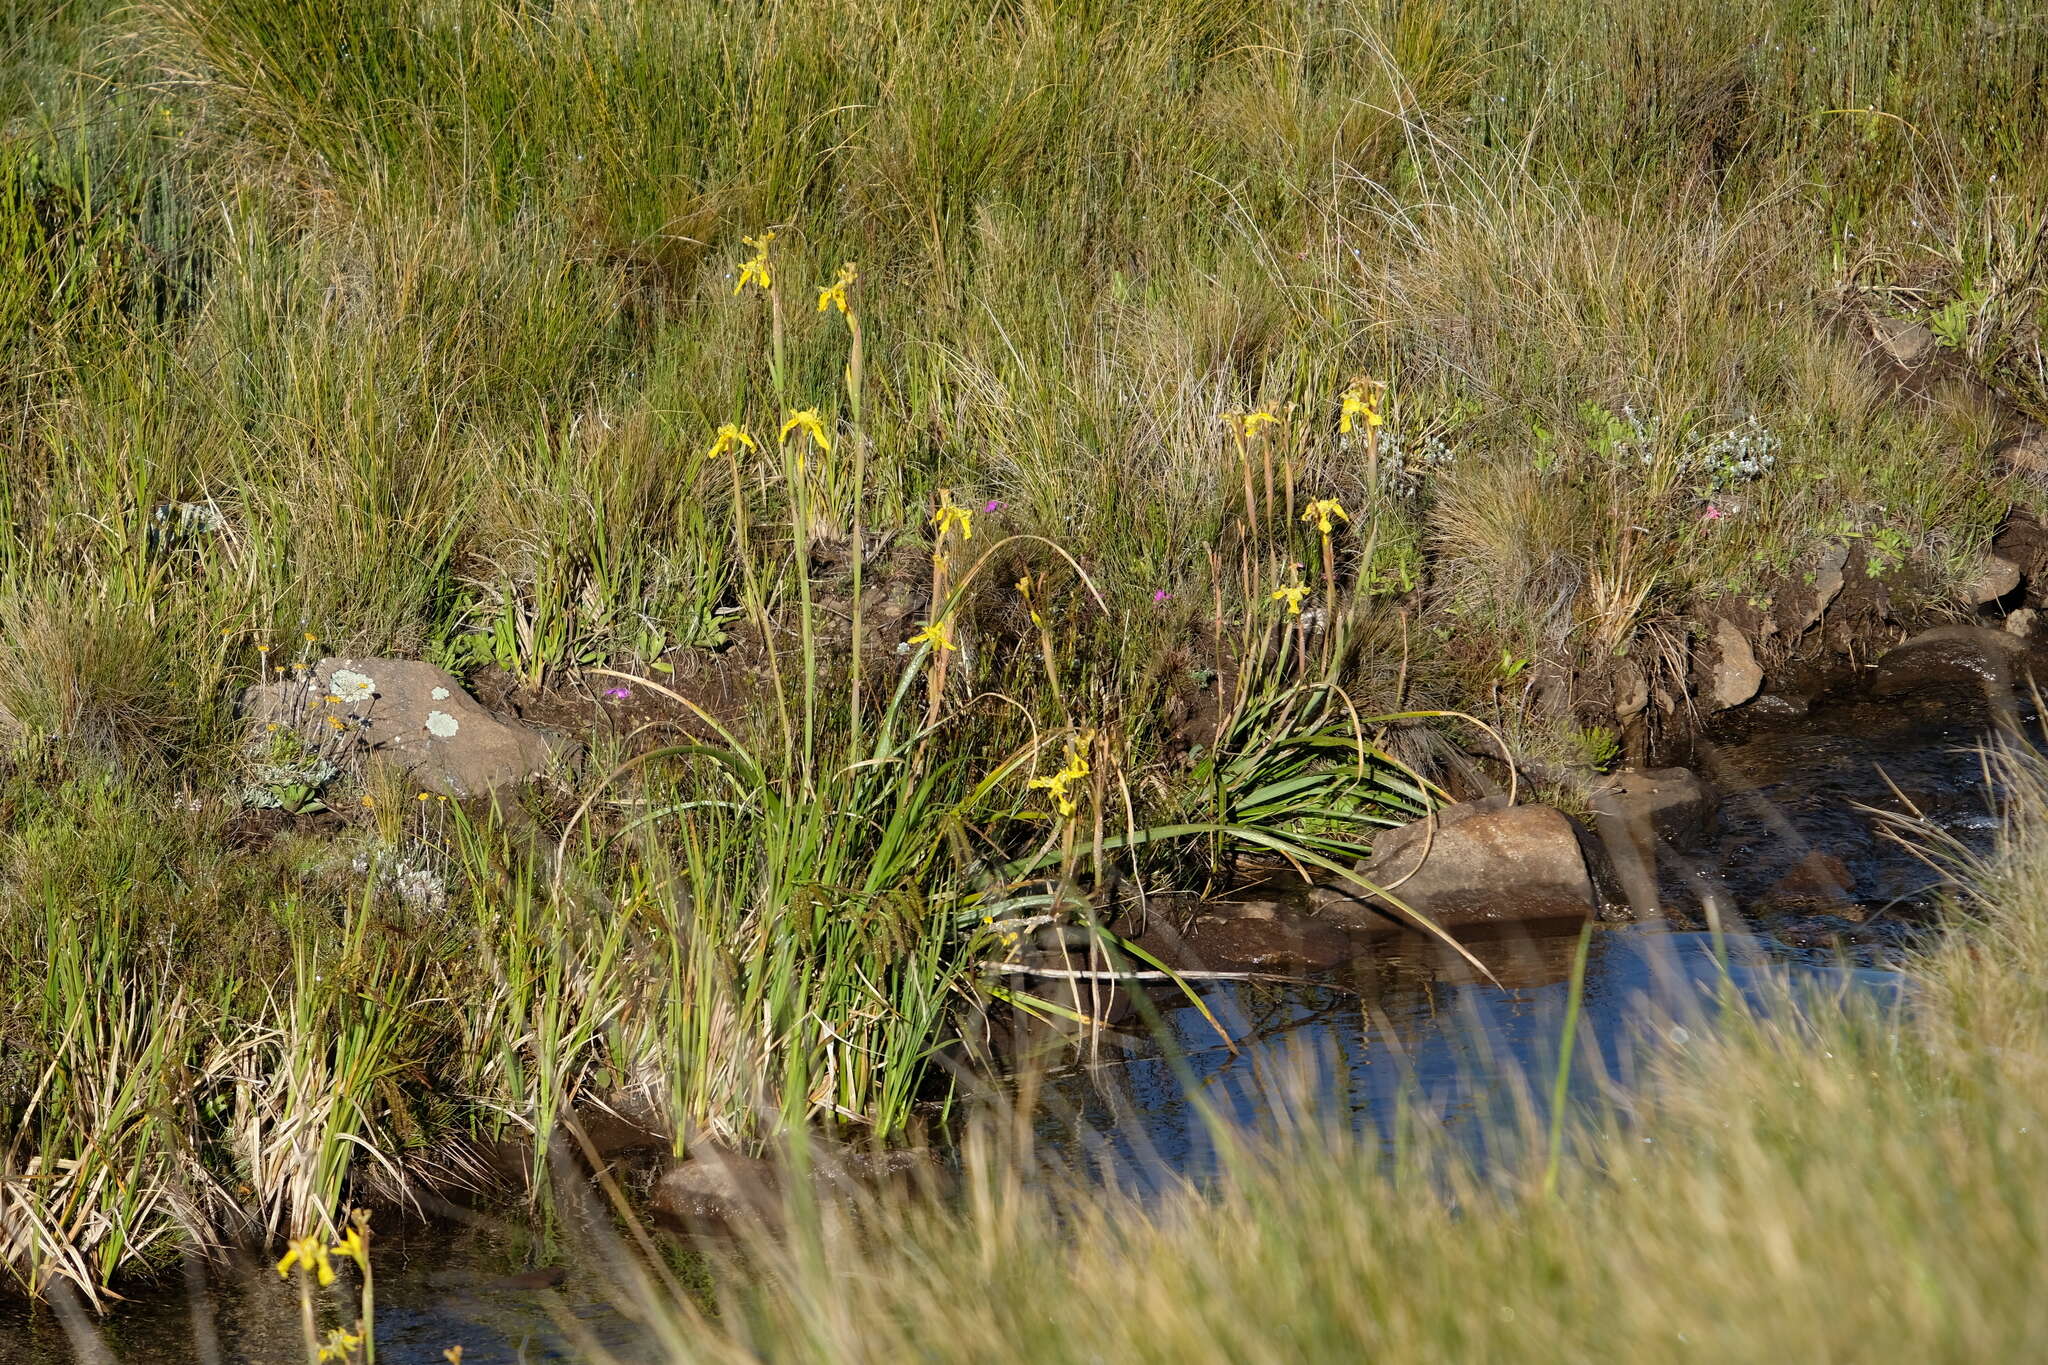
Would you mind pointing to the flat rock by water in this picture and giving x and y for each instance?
(1474, 863)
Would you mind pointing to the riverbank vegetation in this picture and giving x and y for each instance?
(1849, 1179)
(894, 445)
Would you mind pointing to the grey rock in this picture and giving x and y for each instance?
(408, 711)
(1477, 862)
(1737, 675)
(2024, 623)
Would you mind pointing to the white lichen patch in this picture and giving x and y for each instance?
(439, 694)
(352, 686)
(441, 725)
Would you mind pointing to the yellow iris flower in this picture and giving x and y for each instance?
(1322, 510)
(353, 1246)
(951, 518)
(1249, 424)
(1360, 402)
(311, 1253)
(833, 295)
(935, 636)
(755, 270)
(808, 420)
(730, 436)
(1292, 597)
(1024, 591)
(342, 1345)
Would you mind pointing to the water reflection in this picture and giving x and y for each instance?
(1415, 1026)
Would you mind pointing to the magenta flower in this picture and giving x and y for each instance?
(619, 693)
(1162, 596)
(1713, 513)
(994, 505)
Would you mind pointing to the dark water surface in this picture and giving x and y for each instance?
(1408, 1022)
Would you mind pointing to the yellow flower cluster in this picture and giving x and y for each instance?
(1361, 400)
(1322, 510)
(312, 1254)
(808, 421)
(729, 438)
(833, 295)
(1292, 597)
(315, 1255)
(1057, 785)
(949, 517)
(756, 270)
(342, 1345)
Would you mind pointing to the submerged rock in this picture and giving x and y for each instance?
(1253, 935)
(1948, 655)
(1639, 814)
(718, 1187)
(1817, 880)
(408, 711)
(1474, 863)
(1675, 804)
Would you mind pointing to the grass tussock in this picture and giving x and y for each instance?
(396, 330)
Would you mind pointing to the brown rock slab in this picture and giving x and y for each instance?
(1909, 343)
(1477, 862)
